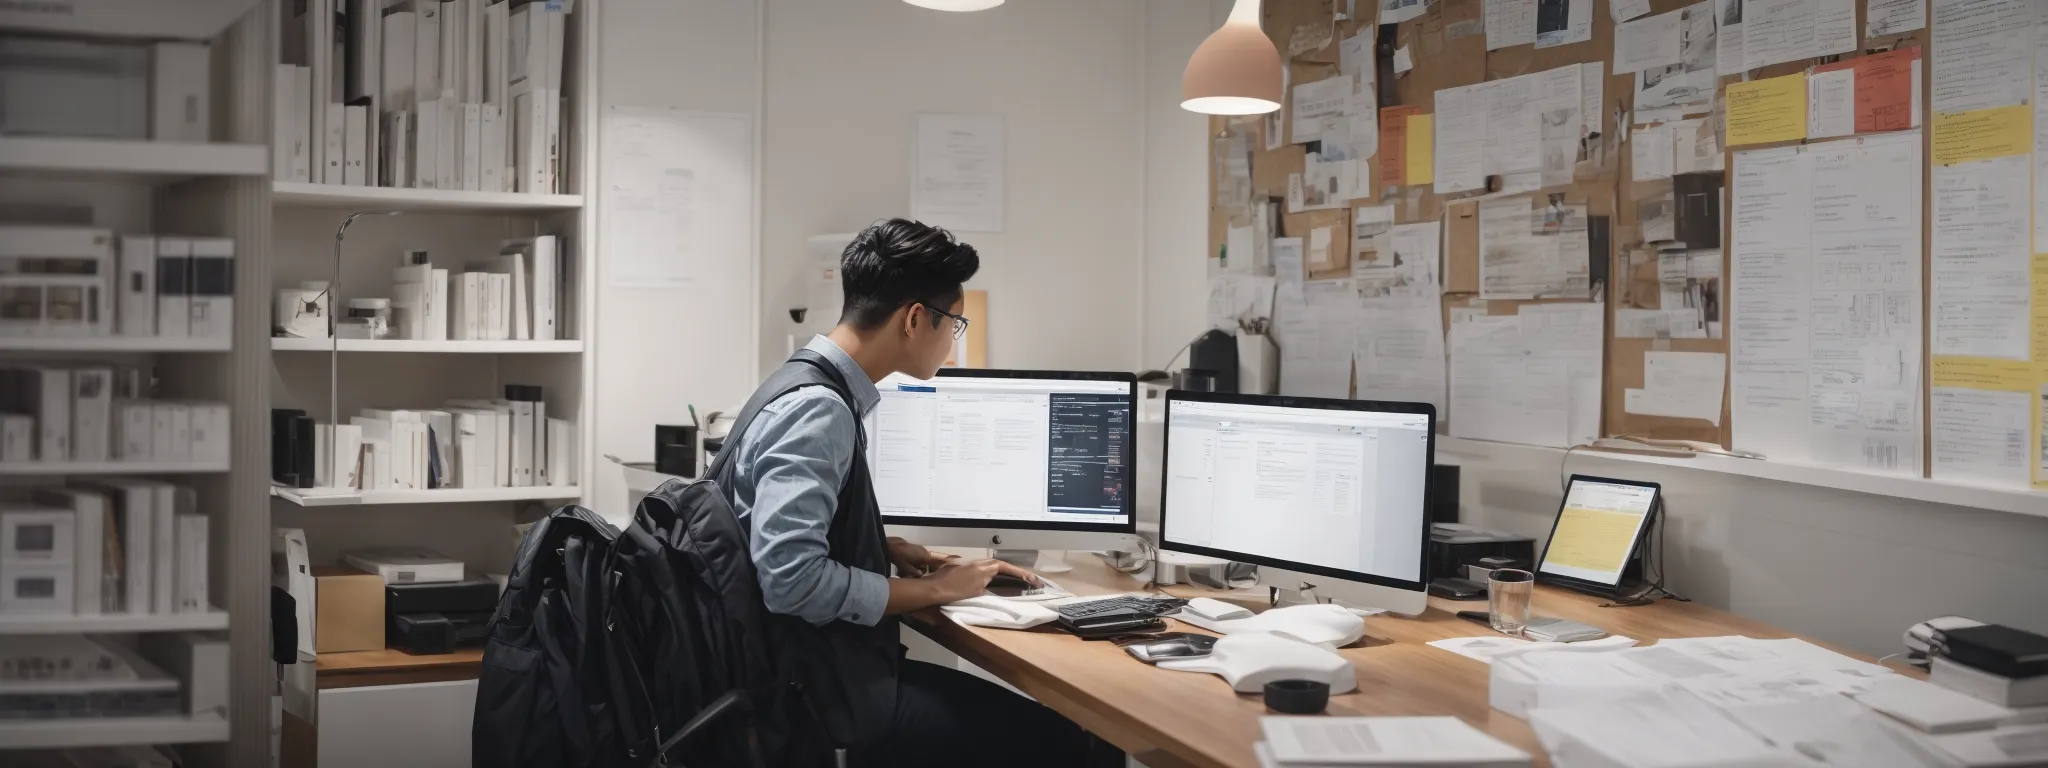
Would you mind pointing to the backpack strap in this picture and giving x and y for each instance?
(787, 379)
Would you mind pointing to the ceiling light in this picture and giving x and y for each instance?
(956, 5)
(1236, 71)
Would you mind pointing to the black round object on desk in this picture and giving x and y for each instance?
(1297, 697)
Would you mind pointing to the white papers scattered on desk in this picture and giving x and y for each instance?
(1485, 648)
(1384, 741)
(1930, 707)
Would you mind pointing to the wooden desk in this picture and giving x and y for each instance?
(1170, 719)
(390, 666)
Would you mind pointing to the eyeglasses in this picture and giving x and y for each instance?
(959, 321)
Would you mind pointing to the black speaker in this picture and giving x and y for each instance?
(1443, 493)
(1216, 351)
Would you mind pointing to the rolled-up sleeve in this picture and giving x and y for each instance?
(795, 456)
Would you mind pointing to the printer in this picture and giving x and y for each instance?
(437, 618)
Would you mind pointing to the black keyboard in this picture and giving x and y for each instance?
(1147, 606)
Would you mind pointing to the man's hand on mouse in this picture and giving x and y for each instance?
(962, 579)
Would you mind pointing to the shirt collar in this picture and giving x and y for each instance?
(865, 396)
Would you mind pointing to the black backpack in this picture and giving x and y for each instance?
(626, 648)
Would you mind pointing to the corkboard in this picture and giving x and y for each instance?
(1448, 46)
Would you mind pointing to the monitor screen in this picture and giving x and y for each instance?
(1597, 530)
(1318, 486)
(1018, 449)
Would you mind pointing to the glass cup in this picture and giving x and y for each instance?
(1509, 593)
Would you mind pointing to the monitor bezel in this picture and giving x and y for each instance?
(1421, 580)
(1635, 547)
(1130, 506)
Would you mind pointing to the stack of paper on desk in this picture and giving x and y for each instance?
(1549, 680)
(1484, 648)
(1382, 741)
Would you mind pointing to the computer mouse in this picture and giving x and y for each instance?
(1216, 610)
(1319, 623)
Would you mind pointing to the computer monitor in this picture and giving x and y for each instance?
(1010, 460)
(1599, 528)
(1323, 495)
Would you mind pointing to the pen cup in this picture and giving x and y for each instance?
(1509, 593)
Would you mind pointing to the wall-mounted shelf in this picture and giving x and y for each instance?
(113, 344)
(61, 624)
(65, 733)
(113, 467)
(294, 194)
(2013, 500)
(315, 497)
(158, 161)
(566, 346)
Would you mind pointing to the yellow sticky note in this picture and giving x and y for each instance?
(2040, 285)
(1422, 149)
(1984, 373)
(1765, 111)
(1960, 137)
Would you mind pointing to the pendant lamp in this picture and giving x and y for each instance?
(1236, 71)
(956, 5)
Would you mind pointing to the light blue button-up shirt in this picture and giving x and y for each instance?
(791, 463)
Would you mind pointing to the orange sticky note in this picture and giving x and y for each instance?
(1394, 144)
(1884, 89)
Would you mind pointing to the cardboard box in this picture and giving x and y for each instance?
(350, 610)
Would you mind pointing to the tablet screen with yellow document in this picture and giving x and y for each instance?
(1597, 529)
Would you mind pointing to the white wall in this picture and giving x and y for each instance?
(845, 79)
(1849, 568)
(661, 350)
(1176, 178)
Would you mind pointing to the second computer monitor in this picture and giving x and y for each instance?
(1013, 460)
(1325, 494)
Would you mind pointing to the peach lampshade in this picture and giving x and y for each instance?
(1236, 71)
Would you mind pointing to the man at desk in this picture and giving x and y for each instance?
(799, 482)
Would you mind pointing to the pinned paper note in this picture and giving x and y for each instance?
(1421, 149)
(1686, 385)
(1766, 111)
(1830, 103)
(1983, 134)
(1394, 144)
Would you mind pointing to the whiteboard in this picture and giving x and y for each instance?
(676, 190)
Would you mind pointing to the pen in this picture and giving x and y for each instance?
(693, 418)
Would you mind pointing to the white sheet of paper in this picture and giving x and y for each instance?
(1372, 239)
(1982, 53)
(1623, 10)
(958, 172)
(2040, 139)
(1383, 741)
(1648, 42)
(1831, 104)
(1287, 269)
(1496, 393)
(1576, 26)
(1319, 240)
(1769, 196)
(1980, 437)
(1650, 153)
(1729, 45)
(1404, 60)
(1890, 17)
(1461, 132)
(1650, 730)
(1981, 292)
(1486, 648)
(1399, 353)
(1592, 96)
(675, 203)
(1686, 385)
(1316, 339)
(1237, 249)
(1318, 110)
(1510, 22)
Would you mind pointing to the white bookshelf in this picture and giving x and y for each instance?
(564, 346)
(116, 467)
(64, 624)
(293, 194)
(66, 733)
(333, 497)
(152, 161)
(113, 344)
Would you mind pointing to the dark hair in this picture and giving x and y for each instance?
(899, 262)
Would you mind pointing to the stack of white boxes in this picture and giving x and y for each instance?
(84, 281)
(462, 94)
(71, 413)
(112, 545)
(502, 443)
